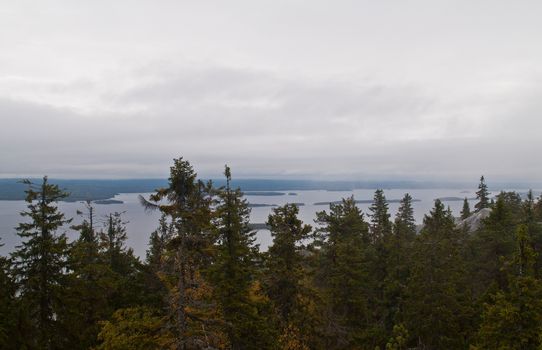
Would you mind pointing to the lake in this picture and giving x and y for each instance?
(141, 223)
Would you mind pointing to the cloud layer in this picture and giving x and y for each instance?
(357, 91)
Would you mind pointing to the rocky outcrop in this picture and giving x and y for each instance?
(474, 221)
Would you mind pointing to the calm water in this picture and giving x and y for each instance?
(141, 224)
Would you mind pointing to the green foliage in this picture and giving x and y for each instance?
(205, 285)
(134, 328)
(180, 254)
(343, 272)
(39, 263)
(493, 241)
(234, 271)
(89, 287)
(7, 306)
(380, 218)
(405, 224)
(436, 311)
(285, 280)
(482, 195)
(284, 260)
(513, 318)
(465, 211)
(399, 338)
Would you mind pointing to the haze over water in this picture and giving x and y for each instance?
(141, 223)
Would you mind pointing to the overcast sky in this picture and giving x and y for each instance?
(278, 89)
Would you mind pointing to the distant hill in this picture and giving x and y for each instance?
(11, 189)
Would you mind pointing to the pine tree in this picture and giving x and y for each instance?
(482, 195)
(380, 218)
(40, 262)
(465, 212)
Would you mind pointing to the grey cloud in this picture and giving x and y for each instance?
(275, 88)
(323, 128)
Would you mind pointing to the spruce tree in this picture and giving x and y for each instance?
(158, 244)
(7, 306)
(128, 270)
(436, 308)
(405, 224)
(492, 242)
(182, 252)
(513, 318)
(40, 262)
(398, 250)
(465, 211)
(113, 242)
(285, 282)
(234, 272)
(482, 195)
(343, 275)
(380, 218)
(91, 282)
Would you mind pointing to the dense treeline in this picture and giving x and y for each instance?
(353, 281)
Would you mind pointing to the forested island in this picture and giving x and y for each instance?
(353, 280)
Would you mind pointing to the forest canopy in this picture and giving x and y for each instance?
(349, 280)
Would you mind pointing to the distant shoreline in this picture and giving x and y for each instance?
(81, 190)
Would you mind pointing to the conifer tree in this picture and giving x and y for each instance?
(285, 282)
(128, 270)
(398, 249)
(158, 243)
(482, 195)
(181, 254)
(465, 211)
(90, 284)
(113, 242)
(40, 262)
(436, 308)
(7, 306)
(137, 328)
(234, 271)
(343, 274)
(493, 242)
(513, 318)
(158, 263)
(380, 218)
(405, 224)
